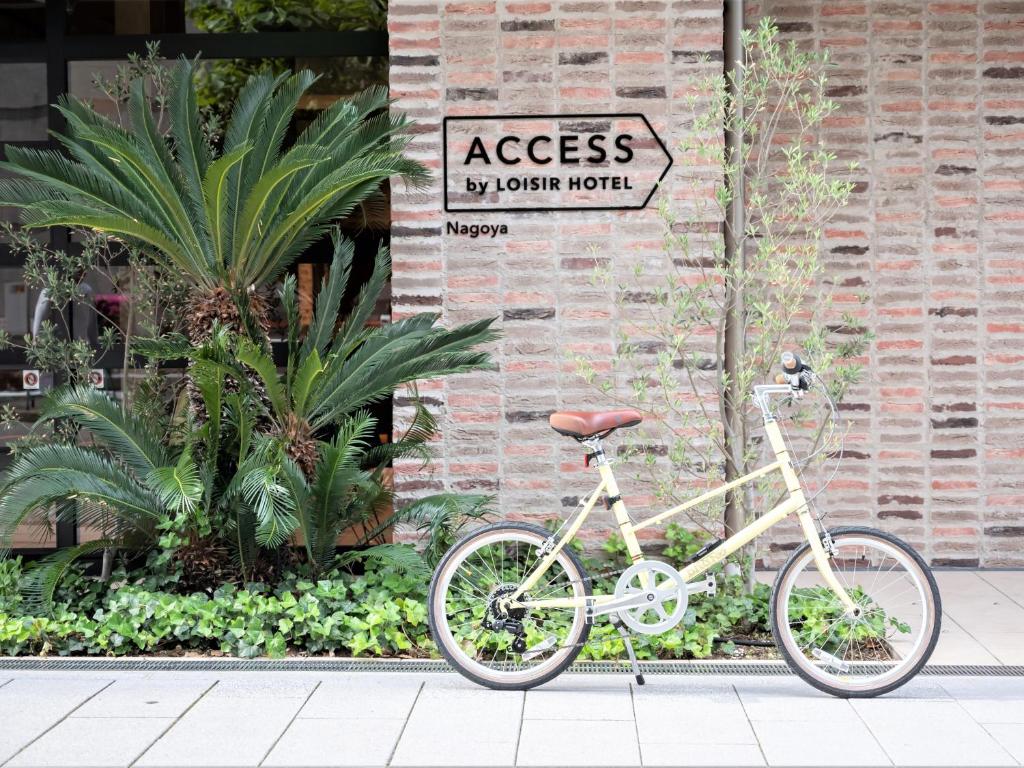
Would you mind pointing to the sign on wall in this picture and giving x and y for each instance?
(588, 162)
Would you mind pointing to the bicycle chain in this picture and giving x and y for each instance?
(599, 641)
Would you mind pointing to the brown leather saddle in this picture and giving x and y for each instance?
(584, 424)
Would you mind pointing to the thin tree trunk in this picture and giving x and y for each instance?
(735, 317)
(108, 564)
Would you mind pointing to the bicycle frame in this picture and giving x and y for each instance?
(795, 502)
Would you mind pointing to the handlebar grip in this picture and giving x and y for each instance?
(795, 372)
(791, 363)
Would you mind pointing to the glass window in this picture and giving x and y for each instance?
(125, 17)
(137, 17)
(17, 303)
(21, 20)
(23, 109)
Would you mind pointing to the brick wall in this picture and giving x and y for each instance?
(932, 96)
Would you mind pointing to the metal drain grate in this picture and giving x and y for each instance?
(207, 664)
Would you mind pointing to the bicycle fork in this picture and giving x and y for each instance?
(821, 557)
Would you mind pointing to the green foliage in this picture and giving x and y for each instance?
(257, 15)
(380, 613)
(232, 219)
(331, 374)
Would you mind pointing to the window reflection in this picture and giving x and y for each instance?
(23, 110)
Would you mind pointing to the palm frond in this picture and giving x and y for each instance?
(414, 442)
(289, 297)
(125, 433)
(365, 302)
(179, 487)
(328, 301)
(220, 206)
(153, 148)
(401, 557)
(439, 518)
(261, 362)
(337, 478)
(40, 581)
(190, 146)
(172, 346)
(394, 355)
(56, 472)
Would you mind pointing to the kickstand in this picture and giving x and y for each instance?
(624, 633)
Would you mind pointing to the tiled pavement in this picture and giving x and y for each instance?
(51, 718)
(302, 719)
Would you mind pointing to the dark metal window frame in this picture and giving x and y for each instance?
(59, 49)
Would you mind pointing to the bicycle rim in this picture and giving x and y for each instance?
(874, 651)
(466, 584)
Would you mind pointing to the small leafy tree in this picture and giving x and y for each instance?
(674, 359)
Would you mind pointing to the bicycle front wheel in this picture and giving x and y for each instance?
(514, 649)
(874, 649)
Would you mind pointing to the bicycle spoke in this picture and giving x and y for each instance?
(889, 633)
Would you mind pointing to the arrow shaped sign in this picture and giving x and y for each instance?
(587, 162)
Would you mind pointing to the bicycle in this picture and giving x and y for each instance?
(854, 611)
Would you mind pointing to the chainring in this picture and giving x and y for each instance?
(666, 593)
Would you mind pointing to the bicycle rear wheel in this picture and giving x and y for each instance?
(883, 644)
(515, 650)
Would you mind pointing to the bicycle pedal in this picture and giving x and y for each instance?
(546, 644)
(830, 661)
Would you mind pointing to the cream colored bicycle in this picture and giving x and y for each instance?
(855, 611)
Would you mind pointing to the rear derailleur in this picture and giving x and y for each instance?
(500, 619)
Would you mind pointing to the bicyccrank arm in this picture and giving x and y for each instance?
(600, 605)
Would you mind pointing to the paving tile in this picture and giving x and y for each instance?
(989, 699)
(1010, 583)
(929, 733)
(800, 742)
(957, 646)
(236, 725)
(1008, 647)
(482, 714)
(29, 705)
(701, 754)
(575, 697)
(93, 741)
(336, 742)
(434, 747)
(363, 696)
(457, 723)
(167, 696)
(691, 713)
(789, 698)
(578, 742)
(975, 604)
(276, 685)
(1010, 736)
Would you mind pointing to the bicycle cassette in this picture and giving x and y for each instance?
(666, 596)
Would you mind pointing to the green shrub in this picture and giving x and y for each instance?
(379, 613)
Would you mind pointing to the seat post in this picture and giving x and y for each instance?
(596, 450)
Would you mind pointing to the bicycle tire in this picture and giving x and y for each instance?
(798, 665)
(575, 642)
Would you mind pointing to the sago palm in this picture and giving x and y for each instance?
(228, 220)
(334, 371)
(130, 481)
